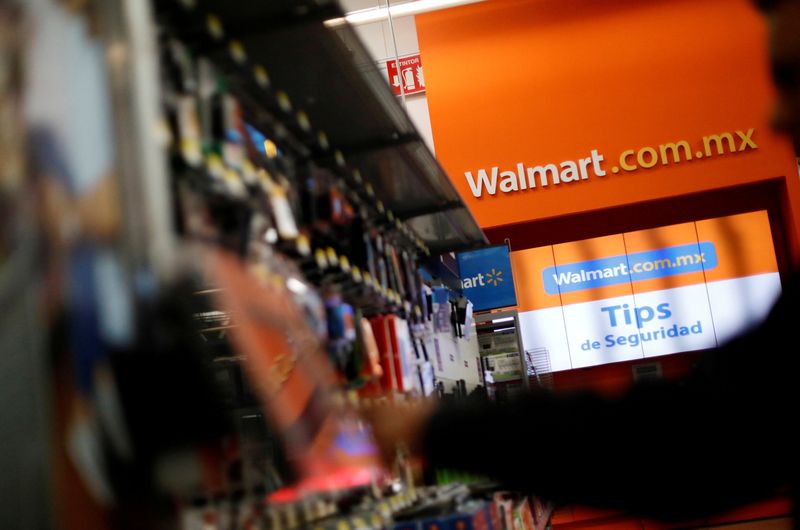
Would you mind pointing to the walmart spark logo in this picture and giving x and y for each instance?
(494, 278)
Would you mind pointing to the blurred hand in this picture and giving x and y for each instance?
(399, 426)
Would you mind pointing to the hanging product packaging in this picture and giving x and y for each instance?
(233, 151)
(369, 248)
(441, 310)
(341, 335)
(383, 272)
(206, 94)
(400, 280)
(410, 272)
(281, 209)
(189, 131)
(181, 93)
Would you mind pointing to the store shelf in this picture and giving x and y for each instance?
(329, 75)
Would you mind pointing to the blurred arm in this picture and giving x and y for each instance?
(671, 450)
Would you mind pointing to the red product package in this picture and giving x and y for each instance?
(397, 353)
(504, 505)
(383, 340)
(523, 517)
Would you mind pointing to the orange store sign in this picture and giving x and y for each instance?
(542, 176)
(585, 105)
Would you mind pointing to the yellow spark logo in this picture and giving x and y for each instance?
(495, 277)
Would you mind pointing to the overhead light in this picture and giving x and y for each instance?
(375, 14)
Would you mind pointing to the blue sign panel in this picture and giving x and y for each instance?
(637, 266)
(486, 278)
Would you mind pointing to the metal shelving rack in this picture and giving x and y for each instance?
(342, 114)
(320, 96)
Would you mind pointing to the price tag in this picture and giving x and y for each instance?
(249, 174)
(215, 167)
(234, 183)
(322, 138)
(333, 259)
(303, 246)
(270, 148)
(303, 121)
(339, 158)
(284, 218)
(319, 257)
(284, 102)
(214, 26)
(189, 131)
(261, 76)
(236, 49)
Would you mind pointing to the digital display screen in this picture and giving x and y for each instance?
(648, 293)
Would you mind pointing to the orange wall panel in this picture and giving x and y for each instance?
(663, 237)
(538, 82)
(527, 266)
(742, 249)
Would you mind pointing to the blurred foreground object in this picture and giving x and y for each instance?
(24, 462)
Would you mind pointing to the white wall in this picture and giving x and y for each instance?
(377, 37)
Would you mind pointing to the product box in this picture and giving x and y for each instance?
(523, 517)
(494, 516)
(538, 509)
(504, 505)
(397, 354)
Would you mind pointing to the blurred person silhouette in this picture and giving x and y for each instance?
(673, 450)
(111, 435)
